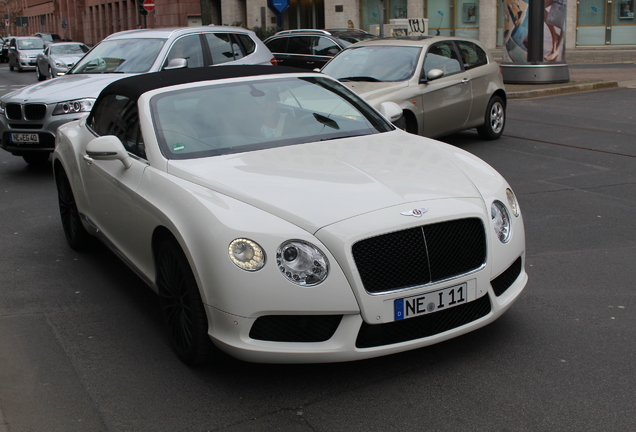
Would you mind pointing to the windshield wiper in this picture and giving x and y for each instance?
(360, 78)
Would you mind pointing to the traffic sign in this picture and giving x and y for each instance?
(149, 5)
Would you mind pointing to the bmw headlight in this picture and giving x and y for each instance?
(302, 263)
(501, 221)
(246, 254)
(74, 106)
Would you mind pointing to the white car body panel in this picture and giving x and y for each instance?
(361, 186)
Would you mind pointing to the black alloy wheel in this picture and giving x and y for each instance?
(181, 305)
(76, 235)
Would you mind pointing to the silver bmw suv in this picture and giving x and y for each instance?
(29, 117)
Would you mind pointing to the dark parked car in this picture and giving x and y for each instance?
(311, 49)
(4, 50)
(49, 38)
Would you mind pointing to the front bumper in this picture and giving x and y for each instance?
(352, 338)
(34, 120)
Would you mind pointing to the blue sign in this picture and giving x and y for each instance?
(279, 7)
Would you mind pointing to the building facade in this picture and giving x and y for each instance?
(589, 22)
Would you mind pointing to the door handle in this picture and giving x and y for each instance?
(88, 159)
(465, 80)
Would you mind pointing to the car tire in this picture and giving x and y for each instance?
(10, 67)
(76, 235)
(38, 75)
(494, 119)
(181, 305)
(50, 72)
(36, 158)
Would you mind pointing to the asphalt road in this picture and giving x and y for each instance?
(82, 346)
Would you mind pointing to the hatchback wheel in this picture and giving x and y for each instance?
(51, 73)
(75, 233)
(181, 305)
(494, 119)
(38, 75)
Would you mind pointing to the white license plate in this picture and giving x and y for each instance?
(435, 301)
(25, 138)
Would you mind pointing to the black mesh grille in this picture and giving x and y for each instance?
(34, 112)
(421, 255)
(422, 326)
(14, 111)
(295, 328)
(502, 282)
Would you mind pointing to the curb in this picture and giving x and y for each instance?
(562, 90)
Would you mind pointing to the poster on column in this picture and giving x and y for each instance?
(515, 41)
(554, 30)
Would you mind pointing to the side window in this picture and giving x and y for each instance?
(118, 115)
(188, 47)
(223, 48)
(278, 45)
(249, 46)
(442, 55)
(299, 45)
(324, 47)
(472, 54)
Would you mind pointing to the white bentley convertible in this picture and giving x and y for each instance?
(282, 219)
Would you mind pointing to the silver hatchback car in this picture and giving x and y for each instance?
(443, 84)
(29, 117)
(22, 52)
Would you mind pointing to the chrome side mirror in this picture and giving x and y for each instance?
(177, 63)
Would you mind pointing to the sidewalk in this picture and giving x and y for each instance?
(590, 69)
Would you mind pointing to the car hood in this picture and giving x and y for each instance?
(67, 87)
(372, 90)
(318, 184)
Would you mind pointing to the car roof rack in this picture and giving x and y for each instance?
(303, 31)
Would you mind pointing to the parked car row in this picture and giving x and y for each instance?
(30, 117)
(198, 179)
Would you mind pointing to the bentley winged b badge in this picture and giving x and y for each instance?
(415, 212)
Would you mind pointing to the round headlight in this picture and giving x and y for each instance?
(512, 202)
(501, 221)
(302, 263)
(246, 254)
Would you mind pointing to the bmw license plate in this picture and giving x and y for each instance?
(447, 298)
(25, 138)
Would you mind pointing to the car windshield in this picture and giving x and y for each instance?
(68, 49)
(120, 56)
(377, 63)
(214, 120)
(30, 44)
(51, 37)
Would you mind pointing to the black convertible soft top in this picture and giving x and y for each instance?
(135, 86)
